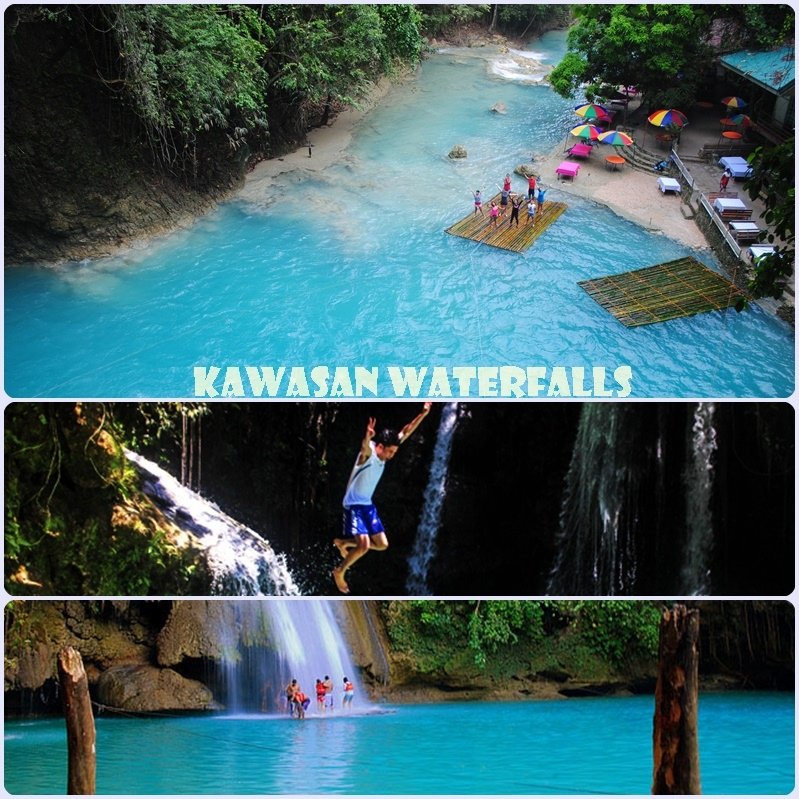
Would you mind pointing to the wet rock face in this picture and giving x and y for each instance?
(148, 689)
(188, 632)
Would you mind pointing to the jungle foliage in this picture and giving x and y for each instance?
(75, 522)
(617, 633)
(241, 75)
(662, 49)
(773, 180)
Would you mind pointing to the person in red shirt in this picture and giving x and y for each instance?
(531, 187)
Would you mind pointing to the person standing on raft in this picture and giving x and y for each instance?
(362, 528)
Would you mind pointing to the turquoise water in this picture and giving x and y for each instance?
(351, 267)
(588, 746)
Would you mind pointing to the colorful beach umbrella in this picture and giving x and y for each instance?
(586, 132)
(616, 138)
(734, 102)
(667, 117)
(740, 119)
(592, 111)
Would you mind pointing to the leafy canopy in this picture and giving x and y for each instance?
(773, 180)
(657, 48)
(189, 70)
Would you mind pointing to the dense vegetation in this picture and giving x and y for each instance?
(616, 634)
(127, 115)
(668, 52)
(75, 520)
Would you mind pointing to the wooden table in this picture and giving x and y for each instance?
(614, 162)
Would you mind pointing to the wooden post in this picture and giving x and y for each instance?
(80, 722)
(676, 746)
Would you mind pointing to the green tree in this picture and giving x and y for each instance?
(332, 53)
(657, 48)
(187, 69)
(773, 170)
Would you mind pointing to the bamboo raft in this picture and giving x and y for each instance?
(517, 239)
(671, 290)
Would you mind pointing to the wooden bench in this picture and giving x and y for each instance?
(726, 195)
(736, 214)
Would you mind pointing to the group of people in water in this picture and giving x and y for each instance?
(298, 701)
(534, 201)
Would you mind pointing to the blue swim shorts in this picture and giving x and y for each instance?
(361, 520)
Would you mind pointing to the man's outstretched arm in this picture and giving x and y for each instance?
(366, 449)
(414, 423)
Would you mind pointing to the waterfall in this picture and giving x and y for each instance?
(596, 540)
(241, 562)
(424, 547)
(698, 480)
(274, 641)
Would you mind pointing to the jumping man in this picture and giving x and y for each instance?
(363, 529)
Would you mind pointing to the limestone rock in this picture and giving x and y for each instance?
(148, 689)
(458, 151)
(525, 169)
(499, 108)
(189, 631)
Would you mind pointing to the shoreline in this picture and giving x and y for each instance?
(329, 145)
(631, 194)
(628, 192)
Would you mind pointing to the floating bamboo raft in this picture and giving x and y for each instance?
(675, 289)
(477, 227)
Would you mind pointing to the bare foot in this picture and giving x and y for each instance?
(341, 583)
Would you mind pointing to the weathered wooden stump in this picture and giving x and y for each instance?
(80, 722)
(675, 739)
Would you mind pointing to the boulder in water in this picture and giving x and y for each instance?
(499, 108)
(525, 169)
(458, 151)
(147, 689)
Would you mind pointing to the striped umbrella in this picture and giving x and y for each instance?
(734, 102)
(668, 116)
(586, 132)
(592, 111)
(740, 119)
(616, 138)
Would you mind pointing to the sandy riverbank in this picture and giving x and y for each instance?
(631, 194)
(628, 192)
(329, 145)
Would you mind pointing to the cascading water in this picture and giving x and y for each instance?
(424, 547)
(596, 540)
(274, 641)
(698, 479)
(241, 562)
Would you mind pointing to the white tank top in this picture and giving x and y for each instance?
(363, 480)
